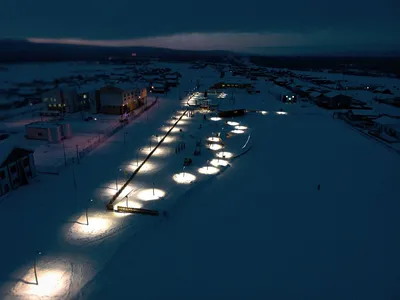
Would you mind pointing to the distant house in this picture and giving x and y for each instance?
(89, 97)
(382, 90)
(17, 167)
(48, 131)
(118, 99)
(334, 100)
(172, 80)
(158, 88)
(389, 125)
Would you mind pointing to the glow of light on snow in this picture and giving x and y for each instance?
(184, 178)
(214, 139)
(53, 284)
(215, 119)
(185, 117)
(215, 147)
(98, 225)
(208, 170)
(181, 122)
(237, 131)
(169, 139)
(224, 154)
(264, 112)
(147, 167)
(160, 151)
(240, 127)
(232, 123)
(281, 113)
(175, 129)
(149, 194)
(218, 162)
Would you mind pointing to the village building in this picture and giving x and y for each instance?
(225, 85)
(17, 167)
(121, 98)
(388, 125)
(63, 99)
(334, 100)
(158, 88)
(48, 131)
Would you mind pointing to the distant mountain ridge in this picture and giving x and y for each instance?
(25, 51)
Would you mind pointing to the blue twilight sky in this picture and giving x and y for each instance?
(229, 25)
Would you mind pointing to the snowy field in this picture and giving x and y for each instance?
(252, 227)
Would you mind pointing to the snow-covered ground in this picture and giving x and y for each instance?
(256, 229)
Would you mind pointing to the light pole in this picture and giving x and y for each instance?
(116, 179)
(150, 145)
(137, 157)
(87, 208)
(65, 154)
(38, 253)
(153, 189)
(125, 133)
(183, 171)
(207, 164)
(127, 204)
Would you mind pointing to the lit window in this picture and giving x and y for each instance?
(59, 105)
(50, 105)
(84, 96)
(45, 99)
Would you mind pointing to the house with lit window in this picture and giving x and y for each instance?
(64, 99)
(17, 167)
(119, 99)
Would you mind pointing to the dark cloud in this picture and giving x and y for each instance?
(341, 20)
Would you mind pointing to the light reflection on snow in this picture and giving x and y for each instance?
(52, 283)
(99, 224)
(208, 170)
(184, 178)
(215, 118)
(237, 131)
(224, 154)
(281, 113)
(214, 139)
(241, 127)
(215, 147)
(150, 194)
(160, 151)
(218, 162)
(232, 123)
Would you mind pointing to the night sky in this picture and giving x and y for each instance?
(229, 25)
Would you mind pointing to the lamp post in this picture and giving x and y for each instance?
(125, 133)
(207, 164)
(150, 145)
(65, 154)
(153, 189)
(38, 253)
(126, 198)
(116, 179)
(87, 208)
(137, 157)
(183, 171)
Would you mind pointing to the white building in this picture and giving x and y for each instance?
(118, 99)
(48, 131)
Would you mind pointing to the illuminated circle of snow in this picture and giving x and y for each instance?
(264, 112)
(218, 162)
(240, 127)
(98, 226)
(175, 129)
(208, 170)
(214, 139)
(184, 178)
(53, 283)
(232, 123)
(160, 151)
(149, 194)
(169, 139)
(215, 119)
(281, 113)
(147, 167)
(224, 154)
(215, 147)
(237, 131)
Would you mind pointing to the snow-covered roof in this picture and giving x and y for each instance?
(42, 125)
(385, 120)
(315, 94)
(333, 94)
(361, 112)
(6, 146)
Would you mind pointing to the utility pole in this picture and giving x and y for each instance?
(38, 253)
(87, 216)
(65, 154)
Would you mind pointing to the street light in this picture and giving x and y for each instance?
(116, 179)
(38, 253)
(87, 207)
(125, 133)
(137, 157)
(183, 171)
(126, 197)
